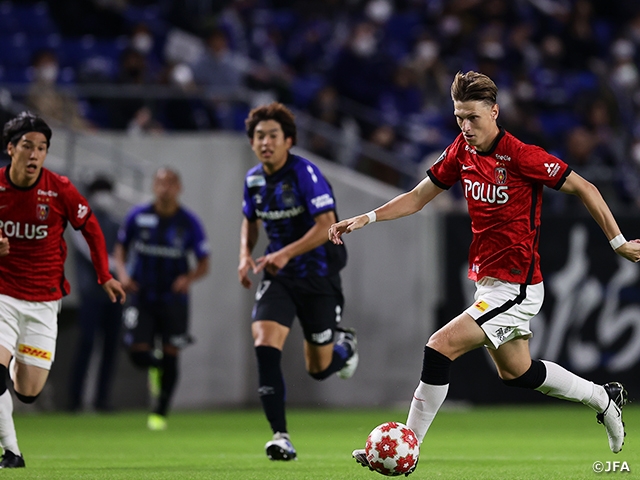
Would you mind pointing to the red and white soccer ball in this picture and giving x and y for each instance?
(392, 449)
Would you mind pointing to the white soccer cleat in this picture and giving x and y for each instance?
(361, 457)
(280, 447)
(611, 418)
(348, 336)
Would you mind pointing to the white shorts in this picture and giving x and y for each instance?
(504, 309)
(29, 330)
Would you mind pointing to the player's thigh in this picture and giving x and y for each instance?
(457, 337)
(139, 325)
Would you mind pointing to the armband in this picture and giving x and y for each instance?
(617, 242)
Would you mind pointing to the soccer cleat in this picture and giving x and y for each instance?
(348, 337)
(280, 447)
(361, 458)
(156, 422)
(11, 460)
(611, 418)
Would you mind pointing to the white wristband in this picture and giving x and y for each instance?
(617, 242)
(372, 216)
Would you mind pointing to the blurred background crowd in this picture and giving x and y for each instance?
(371, 73)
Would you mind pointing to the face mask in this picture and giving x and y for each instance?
(48, 73)
(102, 200)
(364, 45)
(142, 42)
(427, 51)
(181, 75)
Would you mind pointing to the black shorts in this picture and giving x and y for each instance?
(146, 321)
(316, 301)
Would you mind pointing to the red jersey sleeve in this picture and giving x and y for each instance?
(445, 172)
(540, 166)
(81, 218)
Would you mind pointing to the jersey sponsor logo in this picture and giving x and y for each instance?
(280, 214)
(34, 352)
(158, 250)
(501, 175)
(504, 158)
(481, 305)
(470, 149)
(256, 181)
(23, 230)
(82, 210)
(552, 168)
(323, 337)
(147, 220)
(47, 193)
(487, 193)
(42, 211)
(322, 200)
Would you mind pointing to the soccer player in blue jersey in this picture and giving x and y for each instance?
(289, 195)
(152, 256)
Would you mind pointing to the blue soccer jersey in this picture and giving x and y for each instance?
(158, 249)
(287, 203)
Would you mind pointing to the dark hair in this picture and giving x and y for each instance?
(25, 122)
(473, 86)
(100, 184)
(274, 111)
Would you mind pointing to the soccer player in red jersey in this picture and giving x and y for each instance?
(502, 180)
(35, 207)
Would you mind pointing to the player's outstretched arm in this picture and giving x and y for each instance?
(114, 289)
(599, 210)
(401, 206)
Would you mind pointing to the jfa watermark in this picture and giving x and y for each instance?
(609, 467)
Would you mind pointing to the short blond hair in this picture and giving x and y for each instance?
(473, 86)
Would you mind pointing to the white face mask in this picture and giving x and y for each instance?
(181, 74)
(364, 45)
(142, 42)
(103, 200)
(48, 73)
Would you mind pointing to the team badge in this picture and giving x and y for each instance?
(42, 211)
(501, 176)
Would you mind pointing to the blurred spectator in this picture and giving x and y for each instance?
(383, 137)
(221, 73)
(325, 107)
(131, 112)
(47, 99)
(98, 317)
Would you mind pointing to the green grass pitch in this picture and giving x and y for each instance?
(526, 442)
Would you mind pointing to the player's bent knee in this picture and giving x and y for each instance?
(26, 398)
(532, 378)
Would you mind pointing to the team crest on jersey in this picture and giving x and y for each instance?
(42, 211)
(288, 197)
(501, 176)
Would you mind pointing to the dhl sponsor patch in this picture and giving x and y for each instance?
(481, 305)
(34, 352)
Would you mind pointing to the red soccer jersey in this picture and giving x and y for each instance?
(34, 219)
(503, 189)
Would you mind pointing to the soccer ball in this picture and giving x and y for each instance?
(392, 449)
